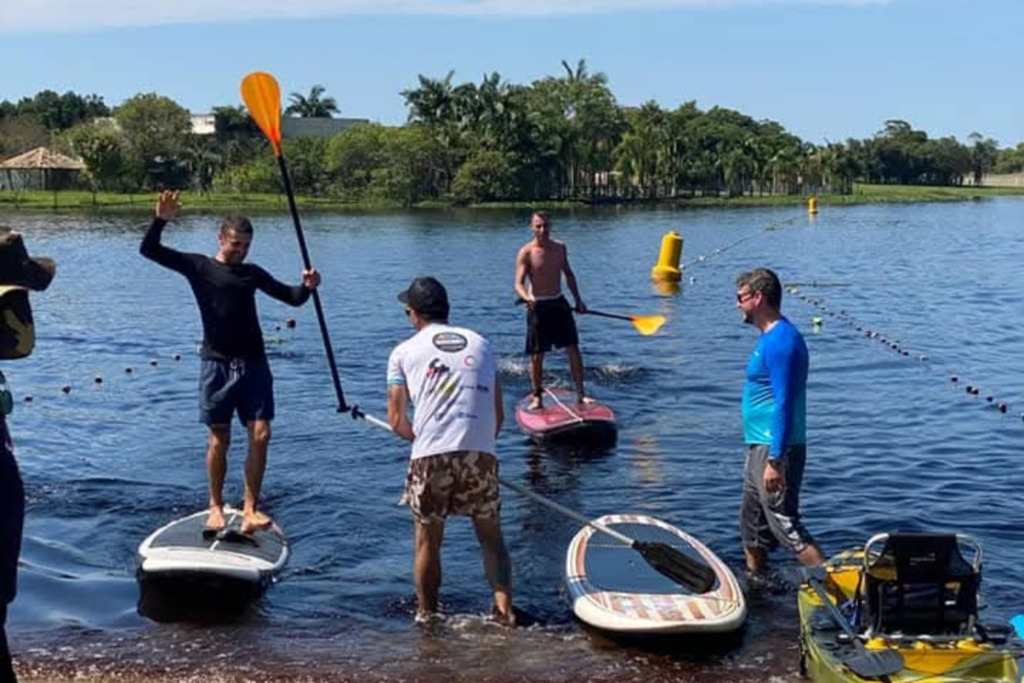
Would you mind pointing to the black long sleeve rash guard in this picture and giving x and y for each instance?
(226, 295)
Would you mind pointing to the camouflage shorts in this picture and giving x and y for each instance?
(459, 483)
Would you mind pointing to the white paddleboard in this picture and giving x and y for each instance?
(613, 588)
(181, 550)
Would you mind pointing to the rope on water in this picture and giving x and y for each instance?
(98, 379)
(721, 250)
(894, 345)
(999, 405)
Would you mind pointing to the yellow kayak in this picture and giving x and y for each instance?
(902, 609)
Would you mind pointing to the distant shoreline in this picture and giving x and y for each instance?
(106, 203)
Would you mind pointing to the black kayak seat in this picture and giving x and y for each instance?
(920, 583)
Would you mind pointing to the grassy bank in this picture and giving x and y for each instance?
(225, 202)
(111, 202)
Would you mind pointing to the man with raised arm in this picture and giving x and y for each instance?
(235, 376)
(549, 322)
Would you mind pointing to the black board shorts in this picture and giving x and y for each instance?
(235, 385)
(549, 323)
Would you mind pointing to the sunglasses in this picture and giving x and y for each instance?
(741, 298)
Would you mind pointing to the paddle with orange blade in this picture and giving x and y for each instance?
(262, 96)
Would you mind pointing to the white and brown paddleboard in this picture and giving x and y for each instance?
(613, 588)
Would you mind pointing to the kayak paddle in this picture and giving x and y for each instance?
(262, 96)
(865, 663)
(692, 574)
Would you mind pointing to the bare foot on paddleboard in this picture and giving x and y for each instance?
(584, 401)
(536, 403)
(255, 521)
(215, 520)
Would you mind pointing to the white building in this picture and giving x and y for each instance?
(204, 124)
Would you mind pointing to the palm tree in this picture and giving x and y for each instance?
(432, 102)
(313, 106)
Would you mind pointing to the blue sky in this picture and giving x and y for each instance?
(825, 69)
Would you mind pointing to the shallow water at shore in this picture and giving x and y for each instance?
(894, 444)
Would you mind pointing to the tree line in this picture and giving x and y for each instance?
(560, 137)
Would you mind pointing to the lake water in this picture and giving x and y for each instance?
(894, 443)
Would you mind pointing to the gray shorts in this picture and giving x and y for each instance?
(768, 520)
(235, 385)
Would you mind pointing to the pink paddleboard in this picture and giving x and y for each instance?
(563, 419)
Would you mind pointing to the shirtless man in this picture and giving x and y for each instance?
(549, 320)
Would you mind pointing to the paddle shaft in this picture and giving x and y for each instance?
(834, 612)
(696, 576)
(342, 406)
(377, 422)
(547, 502)
(617, 316)
(877, 657)
(638, 321)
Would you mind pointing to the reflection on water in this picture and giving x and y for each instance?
(894, 444)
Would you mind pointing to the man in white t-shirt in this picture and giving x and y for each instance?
(450, 376)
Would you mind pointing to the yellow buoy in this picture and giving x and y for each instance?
(667, 268)
(812, 205)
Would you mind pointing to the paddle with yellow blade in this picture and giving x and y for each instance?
(644, 324)
(262, 96)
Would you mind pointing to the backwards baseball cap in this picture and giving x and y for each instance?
(18, 270)
(426, 295)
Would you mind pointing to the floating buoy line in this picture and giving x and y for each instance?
(893, 344)
(992, 398)
(746, 238)
(98, 379)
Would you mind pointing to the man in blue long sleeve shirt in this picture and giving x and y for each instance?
(774, 427)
